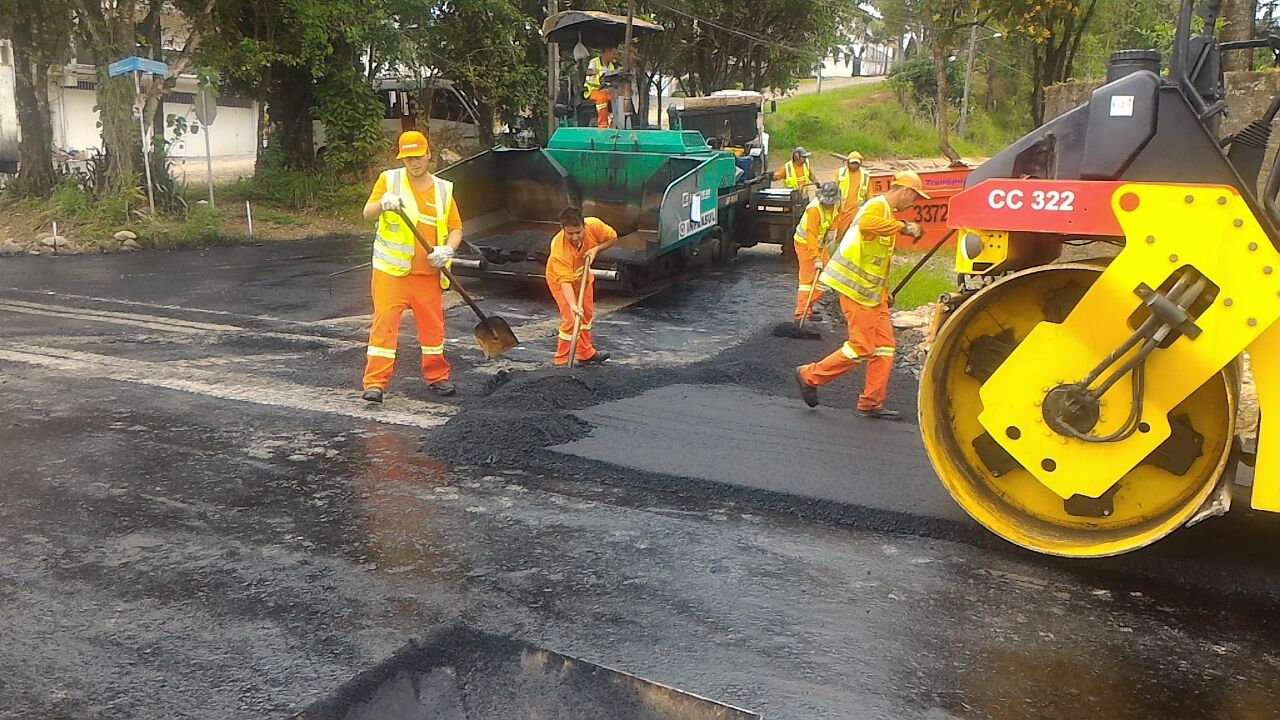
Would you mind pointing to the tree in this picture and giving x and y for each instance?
(112, 31)
(39, 35)
(1237, 24)
(1055, 28)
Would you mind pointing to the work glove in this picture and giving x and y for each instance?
(817, 264)
(389, 202)
(913, 230)
(440, 256)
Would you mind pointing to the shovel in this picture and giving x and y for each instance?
(493, 334)
(577, 320)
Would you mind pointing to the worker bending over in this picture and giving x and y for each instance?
(405, 276)
(859, 271)
(855, 188)
(573, 250)
(795, 174)
(605, 62)
(816, 227)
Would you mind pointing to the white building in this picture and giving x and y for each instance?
(73, 97)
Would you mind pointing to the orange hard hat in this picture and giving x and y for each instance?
(412, 144)
(909, 179)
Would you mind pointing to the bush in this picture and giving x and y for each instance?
(69, 200)
(200, 228)
(334, 194)
(915, 78)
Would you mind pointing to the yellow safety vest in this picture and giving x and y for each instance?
(825, 220)
(795, 180)
(393, 245)
(859, 269)
(593, 81)
(864, 185)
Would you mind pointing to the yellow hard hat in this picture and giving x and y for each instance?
(412, 144)
(909, 179)
(854, 157)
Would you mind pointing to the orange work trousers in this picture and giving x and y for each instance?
(808, 280)
(870, 341)
(391, 297)
(602, 99)
(586, 349)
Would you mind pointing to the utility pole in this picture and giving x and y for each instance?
(968, 79)
(553, 74)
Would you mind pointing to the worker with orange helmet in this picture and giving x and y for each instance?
(406, 276)
(859, 271)
(573, 250)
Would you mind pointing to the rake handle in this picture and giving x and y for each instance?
(577, 320)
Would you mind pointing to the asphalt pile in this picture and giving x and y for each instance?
(522, 414)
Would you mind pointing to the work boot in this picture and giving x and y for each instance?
(808, 393)
(598, 358)
(880, 414)
(373, 395)
(443, 388)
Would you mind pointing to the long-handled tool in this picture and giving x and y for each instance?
(493, 334)
(333, 275)
(577, 318)
(916, 268)
(795, 329)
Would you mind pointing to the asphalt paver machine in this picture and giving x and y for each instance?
(1088, 408)
(676, 200)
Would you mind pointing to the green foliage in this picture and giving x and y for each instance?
(352, 113)
(279, 218)
(934, 279)
(341, 196)
(69, 200)
(200, 228)
(869, 119)
(918, 85)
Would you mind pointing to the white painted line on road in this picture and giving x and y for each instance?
(159, 306)
(237, 386)
(157, 322)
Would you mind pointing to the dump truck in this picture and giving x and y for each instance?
(676, 201)
(1088, 408)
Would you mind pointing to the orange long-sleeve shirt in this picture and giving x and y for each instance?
(877, 220)
(565, 263)
(426, 225)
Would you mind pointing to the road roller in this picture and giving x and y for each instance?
(1119, 268)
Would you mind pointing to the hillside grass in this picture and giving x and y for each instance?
(869, 119)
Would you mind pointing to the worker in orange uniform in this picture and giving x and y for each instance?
(814, 231)
(573, 250)
(859, 271)
(405, 276)
(795, 174)
(605, 62)
(855, 189)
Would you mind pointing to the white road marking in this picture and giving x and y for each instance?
(236, 386)
(157, 322)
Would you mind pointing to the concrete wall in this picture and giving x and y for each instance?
(1248, 95)
(75, 125)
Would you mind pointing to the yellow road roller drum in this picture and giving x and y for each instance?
(1088, 409)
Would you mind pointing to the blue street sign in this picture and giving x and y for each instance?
(137, 64)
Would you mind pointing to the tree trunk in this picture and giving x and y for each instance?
(291, 98)
(944, 120)
(1237, 16)
(31, 96)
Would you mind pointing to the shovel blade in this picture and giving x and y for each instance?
(495, 336)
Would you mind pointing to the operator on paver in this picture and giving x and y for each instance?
(605, 62)
(859, 271)
(404, 276)
(855, 188)
(573, 250)
(795, 173)
(814, 231)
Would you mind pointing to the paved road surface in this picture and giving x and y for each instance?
(201, 520)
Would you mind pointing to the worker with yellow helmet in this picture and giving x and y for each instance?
(855, 189)
(859, 272)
